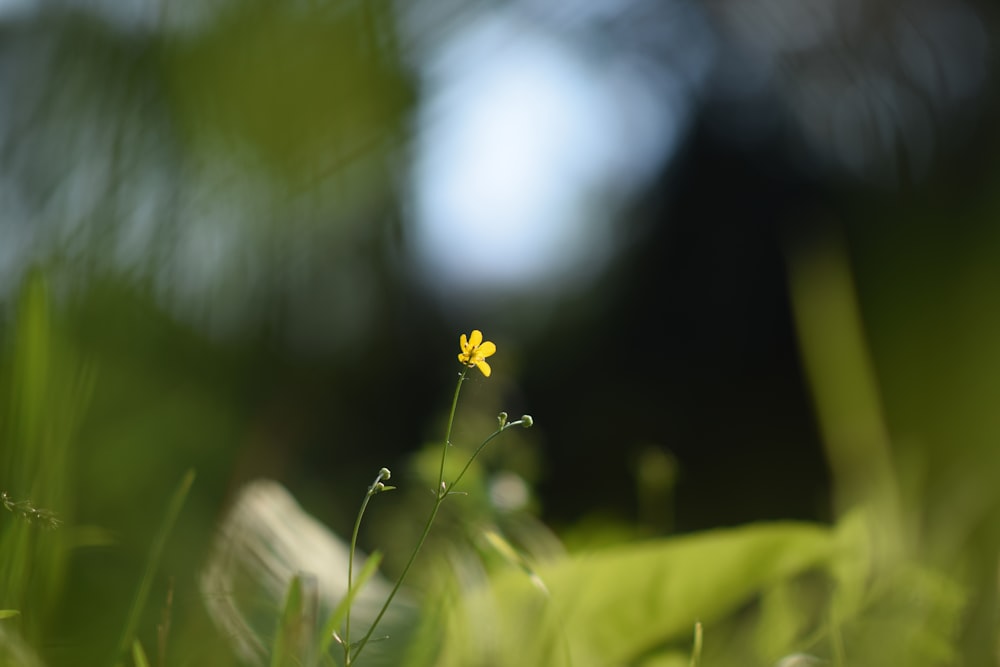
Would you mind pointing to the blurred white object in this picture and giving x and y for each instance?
(265, 540)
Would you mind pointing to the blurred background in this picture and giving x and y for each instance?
(259, 228)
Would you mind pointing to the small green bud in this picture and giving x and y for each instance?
(527, 421)
(377, 485)
(502, 419)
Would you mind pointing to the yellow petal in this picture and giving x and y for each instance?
(487, 349)
(464, 358)
(476, 338)
(463, 341)
(484, 367)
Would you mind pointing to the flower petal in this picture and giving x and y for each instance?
(464, 342)
(476, 338)
(463, 358)
(484, 367)
(487, 349)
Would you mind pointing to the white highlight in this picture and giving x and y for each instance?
(524, 150)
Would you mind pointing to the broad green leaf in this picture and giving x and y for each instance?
(919, 608)
(613, 606)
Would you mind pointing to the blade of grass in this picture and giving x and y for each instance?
(44, 378)
(844, 384)
(340, 612)
(696, 648)
(138, 655)
(295, 636)
(155, 553)
(289, 626)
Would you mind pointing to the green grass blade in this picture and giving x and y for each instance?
(9, 613)
(138, 655)
(44, 392)
(287, 638)
(338, 615)
(696, 649)
(155, 553)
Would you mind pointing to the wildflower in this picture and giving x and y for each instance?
(475, 350)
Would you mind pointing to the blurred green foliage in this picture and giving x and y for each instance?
(303, 93)
(762, 592)
(106, 402)
(46, 391)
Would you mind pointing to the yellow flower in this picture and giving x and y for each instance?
(475, 351)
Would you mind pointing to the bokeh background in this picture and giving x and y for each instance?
(259, 228)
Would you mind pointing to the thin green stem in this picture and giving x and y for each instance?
(350, 570)
(440, 493)
(447, 436)
(402, 576)
(485, 442)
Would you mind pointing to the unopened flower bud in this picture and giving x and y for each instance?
(527, 421)
(384, 473)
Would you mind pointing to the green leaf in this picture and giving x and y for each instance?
(616, 605)
(9, 613)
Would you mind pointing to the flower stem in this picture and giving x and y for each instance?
(440, 493)
(485, 442)
(447, 435)
(372, 490)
